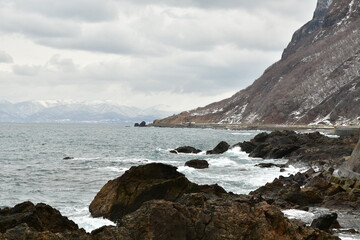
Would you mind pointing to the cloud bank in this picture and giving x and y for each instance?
(142, 52)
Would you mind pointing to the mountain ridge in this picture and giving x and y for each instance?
(315, 81)
(68, 111)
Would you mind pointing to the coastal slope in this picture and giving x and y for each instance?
(317, 79)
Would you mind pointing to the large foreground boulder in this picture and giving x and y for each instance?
(127, 193)
(194, 217)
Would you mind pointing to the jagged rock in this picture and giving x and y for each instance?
(127, 193)
(247, 147)
(270, 165)
(142, 124)
(324, 222)
(311, 148)
(40, 217)
(195, 217)
(37, 222)
(196, 163)
(186, 149)
(219, 149)
(319, 182)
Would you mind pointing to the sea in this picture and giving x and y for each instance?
(33, 167)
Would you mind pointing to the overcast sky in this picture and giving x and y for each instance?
(182, 54)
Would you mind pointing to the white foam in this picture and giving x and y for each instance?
(222, 162)
(344, 236)
(304, 216)
(113, 169)
(242, 133)
(89, 223)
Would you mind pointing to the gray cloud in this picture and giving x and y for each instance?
(26, 70)
(36, 26)
(135, 50)
(5, 58)
(83, 10)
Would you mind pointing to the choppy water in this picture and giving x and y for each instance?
(32, 165)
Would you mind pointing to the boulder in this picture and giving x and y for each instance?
(139, 184)
(270, 165)
(37, 222)
(40, 217)
(310, 148)
(195, 217)
(219, 149)
(247, 147)
(324, 222)
(197, 163)
(186, 149)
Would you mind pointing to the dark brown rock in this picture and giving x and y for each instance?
(197, 163)
(127, 193)
(310, 148)
(324, 222)
(219, 149)
(195, 217)
(40, 217)
(185, 149)
(37, 222)
(270, 165)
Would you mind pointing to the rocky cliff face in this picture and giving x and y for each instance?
(316, 80)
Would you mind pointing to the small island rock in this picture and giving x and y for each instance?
(197, 163)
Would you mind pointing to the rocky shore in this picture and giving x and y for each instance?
(155, 201)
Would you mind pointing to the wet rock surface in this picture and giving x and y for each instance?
(40, 222)
(312, 188)
(185, 149)
(139, 184)
(310, 148)
(196, 217)
(325, 222)
(197, 163)
(154, 201)
(219, 149)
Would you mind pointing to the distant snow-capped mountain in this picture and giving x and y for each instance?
(67, 111)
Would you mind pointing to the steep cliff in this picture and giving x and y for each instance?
(316, 80)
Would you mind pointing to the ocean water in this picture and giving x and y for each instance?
(33, 169)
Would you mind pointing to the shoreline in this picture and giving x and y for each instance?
(336, 130)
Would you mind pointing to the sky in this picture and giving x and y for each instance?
(175, 54)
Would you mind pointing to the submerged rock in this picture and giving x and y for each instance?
(197, 163)
(186, 149)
